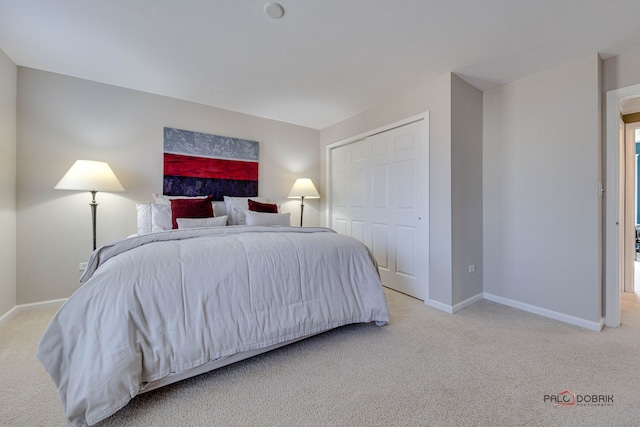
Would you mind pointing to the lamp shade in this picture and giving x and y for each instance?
(303, 187)
(89, 175)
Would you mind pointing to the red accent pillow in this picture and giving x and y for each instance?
(190, 208)
(262, 207)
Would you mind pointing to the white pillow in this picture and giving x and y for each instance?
(144, 218)
(241, 203)
(240, 215)
(264, 218)
(161, 217)
(217, 221)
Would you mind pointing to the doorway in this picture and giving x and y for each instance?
(629, 184)
(616, 228)
(632, 221)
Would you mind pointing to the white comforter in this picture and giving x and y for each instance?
(167, 302)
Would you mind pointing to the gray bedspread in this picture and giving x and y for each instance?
(167, 302)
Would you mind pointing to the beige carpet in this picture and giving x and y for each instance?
(488, 365)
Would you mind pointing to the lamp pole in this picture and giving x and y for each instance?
(301, 209)
(94, 208)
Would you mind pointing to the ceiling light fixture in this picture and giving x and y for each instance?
(274, 10)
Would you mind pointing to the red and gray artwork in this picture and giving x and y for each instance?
(200, 164)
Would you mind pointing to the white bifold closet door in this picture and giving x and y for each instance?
(379, 195)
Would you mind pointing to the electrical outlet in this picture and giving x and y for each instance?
(472, 268)
(82, 266)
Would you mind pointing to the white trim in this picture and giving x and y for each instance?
(459, 306)
(440, 306)
(631, 206)
(8, 315)
(469, 301)
(594, 326)
(613, 213)
(32, 306)
(572, 320)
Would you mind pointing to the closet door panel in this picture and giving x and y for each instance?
(385, 178)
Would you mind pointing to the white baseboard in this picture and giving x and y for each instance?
(459, 306)
(572, 320)
(440, 306)
(33, 306)
(469, 301)
(8, 314)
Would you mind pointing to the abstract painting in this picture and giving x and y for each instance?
(200, 164)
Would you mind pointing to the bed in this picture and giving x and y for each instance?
(160, 307)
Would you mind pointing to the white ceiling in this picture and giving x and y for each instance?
(324, 61)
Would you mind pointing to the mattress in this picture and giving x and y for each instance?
(155, 307)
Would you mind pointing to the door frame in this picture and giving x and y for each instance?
(630, 201)
(614, 212)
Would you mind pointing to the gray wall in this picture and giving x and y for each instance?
(466, 184)
(62, 119)
(8, 78)
(540, 187)
(538, 172)
(621, 71)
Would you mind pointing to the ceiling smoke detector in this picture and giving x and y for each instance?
(274, 10)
